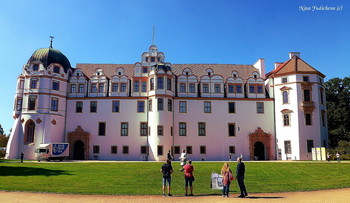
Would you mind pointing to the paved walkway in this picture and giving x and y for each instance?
(338, 195)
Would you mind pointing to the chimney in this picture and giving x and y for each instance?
(291, 54)
(278, 64)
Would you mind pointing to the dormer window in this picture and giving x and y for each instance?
(209, 73)
(144, 70)
(284, 80)
(56, 69)
(78, 74)
(147, 59)
(234, 75)
(98, 73)
(153, 59)
(119, 73)
(35, 67)
(255, 76)
(187, 73)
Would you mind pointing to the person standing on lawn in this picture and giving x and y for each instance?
(227, 179)
(167, 170)
(240, 177)
(22, 157)
(183, 159)
(189, 178)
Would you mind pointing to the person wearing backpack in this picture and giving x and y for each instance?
(227, 179)
(167, 170)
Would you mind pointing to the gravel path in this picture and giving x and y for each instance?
(337, 195)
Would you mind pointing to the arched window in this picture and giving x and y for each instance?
(29, 132)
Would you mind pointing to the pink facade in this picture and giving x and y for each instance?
(141, 111)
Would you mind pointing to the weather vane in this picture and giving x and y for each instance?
(51, 41)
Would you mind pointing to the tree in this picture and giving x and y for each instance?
(1, 130)
(338, 106)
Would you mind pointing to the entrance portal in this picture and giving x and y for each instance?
(259, 151)
(78, 151)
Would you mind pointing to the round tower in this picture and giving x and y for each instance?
(40, 103)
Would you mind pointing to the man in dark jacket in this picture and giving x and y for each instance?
(167, 170)
(240, 177)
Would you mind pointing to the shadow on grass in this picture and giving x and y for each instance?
(28, 171)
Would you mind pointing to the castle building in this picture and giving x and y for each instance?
(141, 111)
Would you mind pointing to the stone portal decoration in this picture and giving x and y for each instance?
(79, 135)
(259, 138)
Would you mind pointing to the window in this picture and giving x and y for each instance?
(251, 89)
(125, 149)
(160, 104)
(307, 95)
(143, 129)
(54, 104)
(287, 147)
(115, 87)
(286, 119)
(101, 88)
(150, 105)
(232, 149)
(140, 106)
(93, 106)
(29, 132)
(144, 149)
(189, 149)
(306, 78)
(160, 150)
(202, 149)
(55, 85)
(323, 114)
(182, 107)
(260, 89)
(19, 104)
(124, 129)
(285, 95)
(34, 83)
(321, 96)
(114, 150)
(101, 129)
(144, 70)
(182, 87)
(192, 88)
(115, 106)
(153, 59)
(170, 105)
(96, 149)
(56, 69)
(205, 88)
(168, 84)
(79, 107)
(307, 119)
(284, 80)
(160, 83)
(35, 67)
(239, 88)
(230, 89)
(31, 102)
(231, 130)
(201, 129)
(152, 83)
(176, 149)
(207, 107)
(182, 129)
(93, 88)
(160, 130)
(310, 145)
(217, 88)
(123, 87)
(81, 88)
(259, 107)
(136, 86)
(231, 107)
(144, 87)
(171, 131)
(73, 88)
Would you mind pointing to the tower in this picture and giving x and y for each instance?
(40, 103)
(300, 108)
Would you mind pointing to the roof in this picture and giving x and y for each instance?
(47, 56)
(225, 70)
(295, 65)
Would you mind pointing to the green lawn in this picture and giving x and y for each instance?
(141, 178)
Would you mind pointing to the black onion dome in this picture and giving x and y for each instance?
(48, 56)
(162, 66)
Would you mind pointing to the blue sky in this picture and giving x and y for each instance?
(187, 31)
